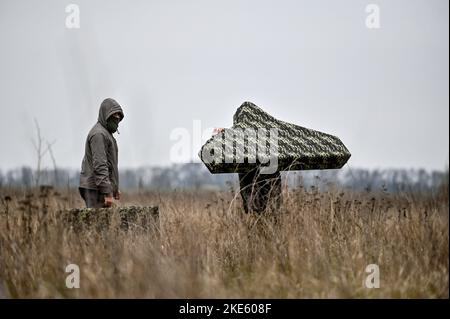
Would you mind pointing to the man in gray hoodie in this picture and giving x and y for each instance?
(99, 177)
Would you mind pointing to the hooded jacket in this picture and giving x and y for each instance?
(99, 170)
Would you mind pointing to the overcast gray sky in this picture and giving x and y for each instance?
(383, 91)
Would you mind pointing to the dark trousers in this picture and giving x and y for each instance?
(260, 191)
(93, 198)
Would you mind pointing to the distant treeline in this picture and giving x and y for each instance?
(196, 176)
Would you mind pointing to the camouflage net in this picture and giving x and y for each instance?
(126, 218)
(298, 148)
(255, 140)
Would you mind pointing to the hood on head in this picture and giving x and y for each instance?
(107, 108)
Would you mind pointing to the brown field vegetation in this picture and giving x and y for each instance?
(317, 246)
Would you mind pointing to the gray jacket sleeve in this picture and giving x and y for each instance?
(100, 164)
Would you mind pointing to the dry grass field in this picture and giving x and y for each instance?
(317, 246)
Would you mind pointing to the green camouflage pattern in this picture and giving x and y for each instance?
(299, 148)
(142, 218)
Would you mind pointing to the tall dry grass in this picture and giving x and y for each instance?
(317, 246)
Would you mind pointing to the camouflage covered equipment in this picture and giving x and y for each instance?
(143, 218)
(297, 148)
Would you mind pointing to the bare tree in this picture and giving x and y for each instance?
(55, 168)
(40, 151)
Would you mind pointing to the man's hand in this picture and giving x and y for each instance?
(109, 201)
(117, 195)
(218, 130)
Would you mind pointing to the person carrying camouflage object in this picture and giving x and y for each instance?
(259, 144)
